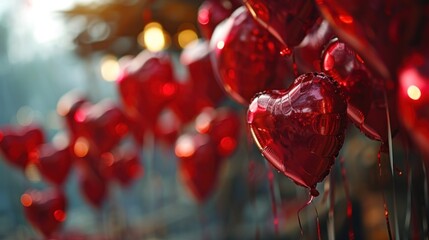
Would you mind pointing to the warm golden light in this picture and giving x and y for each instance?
(152, 37)
(220, 45)
(32, 173)
(185, 146)
(81, 147)
(186, 36)
(110, 68)
(414, 92)
(26, 200)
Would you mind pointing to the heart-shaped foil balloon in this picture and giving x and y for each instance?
(104, 124)
(245, 57)
(54, 163)
(211, 13)
(19, 143)
(300, 130)
(413, 98)
(348, 69)
(223, 127)
(92, 185)
(380, 31)
(45, 210)
(199, 165)
(146, 86)
(287, 20)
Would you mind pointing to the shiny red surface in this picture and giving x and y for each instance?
(287, 20)
(54, 164)
(245, 57)
(211, 13)
(19, 143)
(300, 130)
(45, 210)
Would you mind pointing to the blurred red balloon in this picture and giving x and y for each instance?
(146, 86)
(92, 186)
(126, 167)
(67, 107)
(212, 12)
(54, 163)
(223, 127)
(300, 130)
(19, 143)
(245, 57)
(45, 210)
(199, 165)
(287, 20)
(413, 98)
(168, 127)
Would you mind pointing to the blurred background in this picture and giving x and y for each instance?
(48, 48)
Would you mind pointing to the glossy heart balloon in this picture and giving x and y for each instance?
(223, 127)
(45, 210)
(211, 13)
(287, 20)
(245, 57)
(198, 164)
(300, 130)
(19, 143)
(146, 86)
(54, 163)
(380, 31)
(92, 186)
(413, 98)
(104, 124)
(308, 55)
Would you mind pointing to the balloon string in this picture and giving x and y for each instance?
(331, 220)
(348, 199)
(299, 211)
(389, 140)
(319, 234)
(386, 211)
(426, 199)
(294, 65)
(273, 202)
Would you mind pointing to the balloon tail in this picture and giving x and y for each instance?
(386, 211)
(299, 211)
(294, 66)
(319, 233)
(348, 199)
(273, 202)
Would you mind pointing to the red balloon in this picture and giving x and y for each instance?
(67, 107)
(124, 165)
(19, 144)
(287, 20)
(223, 127)
(93, 186)
(168, 127)
(54, 163)
(413, 98)
(146, 86)
(246, 57)
(198, 164)
(300, 130)
(211, 13)
(308, 54)
(380, 31)
(45, 210)
(104, 124)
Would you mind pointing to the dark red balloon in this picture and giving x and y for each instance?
(300, 130)
(211, 13)
(287, 20)
(308, 55)
(199, 166)
(92, 186)
(413, 98)
(348, 69)
(67, 107)
(245, 57)
(146, 86)
(45, 210)
(168, 127)
(104, 125)
(124, 165)
(19, 143)
(54, 163)
(223, 127)
(380, 31)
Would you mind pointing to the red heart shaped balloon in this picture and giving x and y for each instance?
(124, 165)
(223, 127)
(45, 210)
(198, 164)
(54, 163)
(413, 98)
(67, 107)
(168, 127)
(104, 124)
(211, 13)
(19, 144)
(287, 20)
(146, 86)
(92, 186)
(246, 57)
(380, 31)
(300, 130)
